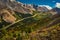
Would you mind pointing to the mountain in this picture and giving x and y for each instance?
(15, 6)
(9, 7)
(20, 21)
(42, 9)
(55, 12)
(35, 6)
(20, 7)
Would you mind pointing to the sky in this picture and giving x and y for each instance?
(50, 3)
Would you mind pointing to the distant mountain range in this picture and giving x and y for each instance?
(56, 10)
(8, 7)
(20, 7)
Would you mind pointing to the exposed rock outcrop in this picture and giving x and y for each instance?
(8, 16)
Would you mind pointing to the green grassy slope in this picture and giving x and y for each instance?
(27, 28)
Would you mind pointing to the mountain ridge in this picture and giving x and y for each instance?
(19, 7)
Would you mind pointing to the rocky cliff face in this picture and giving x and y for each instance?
(8, 16)
(8, 7)
(15, 6)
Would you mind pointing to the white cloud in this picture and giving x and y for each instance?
(58, 5)
(47, 6)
